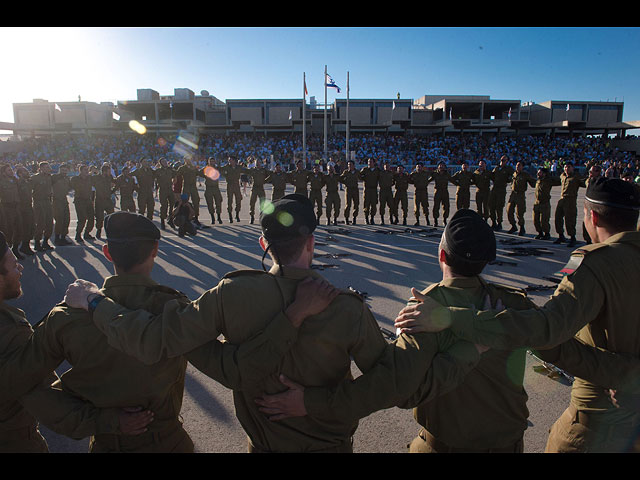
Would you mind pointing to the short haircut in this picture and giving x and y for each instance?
(288, 251)
(462, 267)
(127, 255)
(614, 219)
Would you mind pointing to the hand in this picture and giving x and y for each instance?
(312, 297)
(487, 306)
(425, 315)
(287, 404)
(629, 401)
(134, 420)
(77, 293)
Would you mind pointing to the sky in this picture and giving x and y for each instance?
(102, 64)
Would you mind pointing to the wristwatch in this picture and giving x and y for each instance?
(93, 303)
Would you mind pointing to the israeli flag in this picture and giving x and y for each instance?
(331, 84)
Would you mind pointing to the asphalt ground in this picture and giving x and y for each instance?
(382, 261)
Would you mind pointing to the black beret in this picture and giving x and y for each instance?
(287, 218)
(468, 237)
(125, 227)
(614, 192)
(3, 246)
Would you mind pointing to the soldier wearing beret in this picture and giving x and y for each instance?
(592, 300)
(82, 186)
(231, 173)
(332, 200)
(542, 203)
(318, 351)
(59, 410)
(42, 207)
(278, 179)
(400, 200)
(500, 177)
(349, 178)
(441, 179)
(61, 185)
(567, 207)
(420, 179)
(517, 200)
(427, 371)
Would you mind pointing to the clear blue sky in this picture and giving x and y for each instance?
(520, 63)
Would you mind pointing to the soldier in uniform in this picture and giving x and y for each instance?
(385, 180)
(232, 172)
(164, 176)
(594, 173)
(500, 176)
(145, 179)
(349, 178)
(482, 181)
(463, 180)
(332, 200)
(42, 207)
(518, 200)
(590, 300)
(370, 176)
(105, 186)
(126, 185)
(189, 173)
(401, 182)
(321, 353)
(542, 203)
(420, 179)
(212, 194)
(299, 179)
(441, 179)
(316, 182)
(82, 186)
(61, 185)
(567, 206)
(258, 174)
(9, 199)
(278, 179)
(26, 222)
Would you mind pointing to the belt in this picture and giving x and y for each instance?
(345, 447)
(441, 447)
(115, 442)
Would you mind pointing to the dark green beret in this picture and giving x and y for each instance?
(125, 227)
(468, 237)
(3, 246)
(287, 218)
(614, 192)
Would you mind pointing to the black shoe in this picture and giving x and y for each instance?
(560, 239)
(219, 219)
(99, 234)
(417, 224)
(26, 249)
(346, 221)
(572, 242)
(445, 222)
(521, 232)
(372, 222)
(162, 225)
(65, 241)
(404, 220)
(499, 227)
(435, 223)
(237, 217)
(37, 247)
(538, 236)
(335, 221)
(546, 236)
(513, 229)
(328, 222)
(88, 236)
(251, 220)
(382, 220)
(230, 219)
(366, 219)
(428, 222)
(354, 221)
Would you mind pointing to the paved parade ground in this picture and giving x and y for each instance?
(382, 261)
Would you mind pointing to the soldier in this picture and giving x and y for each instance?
(401, 182)
(418, 371)
(126, 185)
(349, 178)
(385, 181)
(501, 176)
(332, 200)
(212, 194)
(463, 180)
(164, 176)
(61, 185)
(26, 222)
(105, 186)
(590, 300)
(441, 179)
(482, 181)
(278, 179)
(259, 174)
(145, 179)
(517, 199)
(316, 182)
(542, 203)
(9, 200)
(370, 176)
(594, 173)
(567, 206)
(232, 173)
(321, 353)
(42, 207)
(82, 186)
(189, 173)
(299, 179)
(420, 179)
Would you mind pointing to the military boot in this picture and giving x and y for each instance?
(99, 234)
(26, 249)
(521, 232)
(572, 242)
(560, 239)
(513, 229)
(219, 219)
(46, 246)
(404, 220)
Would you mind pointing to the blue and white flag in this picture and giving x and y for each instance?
(331, 84)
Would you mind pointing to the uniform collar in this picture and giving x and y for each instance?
(128, 279)
(293, 272)
(462, 282)
(624, 237)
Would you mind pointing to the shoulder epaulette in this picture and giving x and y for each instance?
(577, 256)
(429, 288)
(238, 273)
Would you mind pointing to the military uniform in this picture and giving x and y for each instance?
(259, 175)
(316, 182)
(189, 175)
(385, 181)
(9, 200)
(567, 206)
(542, 205)
(299, 180)
(164, 180)
(145, 178)
(42, 206)
(370, 177)
(83, 204)
(517, 200)
(441, 195)
(126, 185)
(104, 186)
(401, 182)
(463, 180)
(332, 200)
(212, 196)
(26, 221)
(500, 177)
(420, 181)
(61, 186)
(232, 175)
(351, 193)
(482, 181)
(279, 182)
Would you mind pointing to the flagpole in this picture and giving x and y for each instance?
(304, 118)
(347, 116)
(325, 113)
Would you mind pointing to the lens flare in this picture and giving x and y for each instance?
(137, 127)
(162, 142)
(267, 207)
(211, 172)
(285, 218)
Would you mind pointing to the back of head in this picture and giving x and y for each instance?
(469, 243)
(130, 238)
(616, 202)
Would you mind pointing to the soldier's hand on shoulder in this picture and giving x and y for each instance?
(312, 297)
(78, 292)
(287, 404)
(422, 315)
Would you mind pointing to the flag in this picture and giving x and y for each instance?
(394, 105)
(331, 84)
(305, 88)
(567, 107)
(57, 107)
(289, 114)
(509, 112)
(115, 116)
(450, 112)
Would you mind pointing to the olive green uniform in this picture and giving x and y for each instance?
(212, 196)
(401, 182)
(317, 353)
(316, 182)
(9, 200)
(299, 180)
(42, 205)
(82, 187)
(279, 182)
(370, 177)
(501, 177)
(146, 203)
(567, 206)
(232, 175)
(61, 185)
(259, 175)
(26, 221)
(420, 181)
(351, 193)
(482, 181)
(542, 204)
(385, 181)
(189, 175)
(126, 185)
(463, 180)
(592, 299)
(104, 186)
(441, 195)
(164, 180)
(518, 200)
(332, 200)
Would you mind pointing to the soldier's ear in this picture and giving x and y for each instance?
(263, 243)
(105, 251)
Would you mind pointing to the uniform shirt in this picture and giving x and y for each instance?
(24, 192)
(104, 187)
(189, 176)
(331, 181)
(164, 178)
(370, 177)
(385, 179)
(299, 179)
(501, 177)
(42, 188)
(145, 178)
(520, 181)
(259, 175)
(61, 185)
(278, 180)
(570, 185)
(317, 353)
(420, 180)
(482, 180)
(463, 180)
(441, 180)
(8, 190)
(232, 175)
(543, 189)
(82, 187)
(316, 181)
(126, 185)
(350, 179)
(401, 181)
(592, 301)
